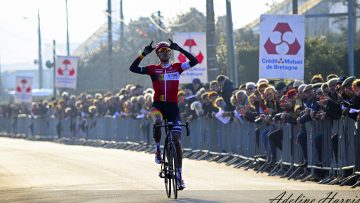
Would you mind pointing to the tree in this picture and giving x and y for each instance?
(322, 57)
(93, 69)
(192, 21)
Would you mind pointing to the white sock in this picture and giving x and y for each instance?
(158, 146)
(179, 172)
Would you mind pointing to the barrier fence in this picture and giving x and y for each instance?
(332, 147)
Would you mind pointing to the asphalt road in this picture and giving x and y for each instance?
(36, 171)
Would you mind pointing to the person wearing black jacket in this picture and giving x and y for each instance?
(226, 91)
(356, 100)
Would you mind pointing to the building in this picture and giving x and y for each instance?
(8, 78)
(315, 26)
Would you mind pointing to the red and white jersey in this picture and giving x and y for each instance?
(165, 80)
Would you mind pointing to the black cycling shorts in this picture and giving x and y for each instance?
(170, 112)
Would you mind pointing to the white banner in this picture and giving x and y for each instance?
(195, 43)
(66, 71)
(282, 47)
(23, 91)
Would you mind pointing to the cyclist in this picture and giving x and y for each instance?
(165, 79)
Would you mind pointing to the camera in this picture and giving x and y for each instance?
(258, 120)
(277, 117)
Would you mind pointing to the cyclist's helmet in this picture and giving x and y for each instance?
(161, 45)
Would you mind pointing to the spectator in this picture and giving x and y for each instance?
(325, 89)
(214, 86)
(65, 97)
(197, 85)
(317, 79)
(355, 99)
(296, 84)
(226, 90)
(331, 76)
(261, 87)
(181, 103)
(250, 88)
(332, 93)
(242, 87)
(281, 89)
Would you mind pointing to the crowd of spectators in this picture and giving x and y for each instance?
(264, 102)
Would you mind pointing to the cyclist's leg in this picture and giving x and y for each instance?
(174, 117)
(176, 131)
(177, 140)
(157, 118)
(156, 115)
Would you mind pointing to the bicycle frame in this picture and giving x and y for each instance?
(168, 169)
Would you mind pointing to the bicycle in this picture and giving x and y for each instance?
(169, 163)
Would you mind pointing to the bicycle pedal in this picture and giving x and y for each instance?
(161, 175)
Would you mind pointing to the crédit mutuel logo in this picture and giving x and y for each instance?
(282, 43)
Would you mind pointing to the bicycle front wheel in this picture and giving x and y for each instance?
(167, 171)
(175, 170)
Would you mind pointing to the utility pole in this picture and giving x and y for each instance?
(1, 87)
(121, 24)
(40, 56)
(295, 6)
(67, 30)
(351, 36)
(109, 27)
(54, 67)
(230, 45)
(210, 40)
(160, 25)
(110, 44)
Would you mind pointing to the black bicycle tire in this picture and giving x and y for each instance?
(175, 168)
(167, 181)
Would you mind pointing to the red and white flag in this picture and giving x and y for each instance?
(66, 71)
(282, 46)
(195, 43)
(23, 91)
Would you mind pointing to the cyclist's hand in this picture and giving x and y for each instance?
(148, 49)
(174, 46)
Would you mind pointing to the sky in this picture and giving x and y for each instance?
(18, 22)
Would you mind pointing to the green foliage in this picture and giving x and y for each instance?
(98, 68)
(323, 55)
(193, 21)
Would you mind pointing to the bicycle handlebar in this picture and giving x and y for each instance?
(171, 125)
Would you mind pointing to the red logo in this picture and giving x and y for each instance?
(191, 43)
(23, 87)
(68, 70)
(282, 41)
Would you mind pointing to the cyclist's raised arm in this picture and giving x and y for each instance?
(192, 59)
(134, 67)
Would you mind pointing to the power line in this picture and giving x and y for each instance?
(158, 26)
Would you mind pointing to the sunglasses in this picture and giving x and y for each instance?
(164, 49)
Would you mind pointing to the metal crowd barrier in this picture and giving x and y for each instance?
(332, 146)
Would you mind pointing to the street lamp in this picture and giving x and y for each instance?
(67, 30)
(39, 54)
(38, 61)
(52, 64)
